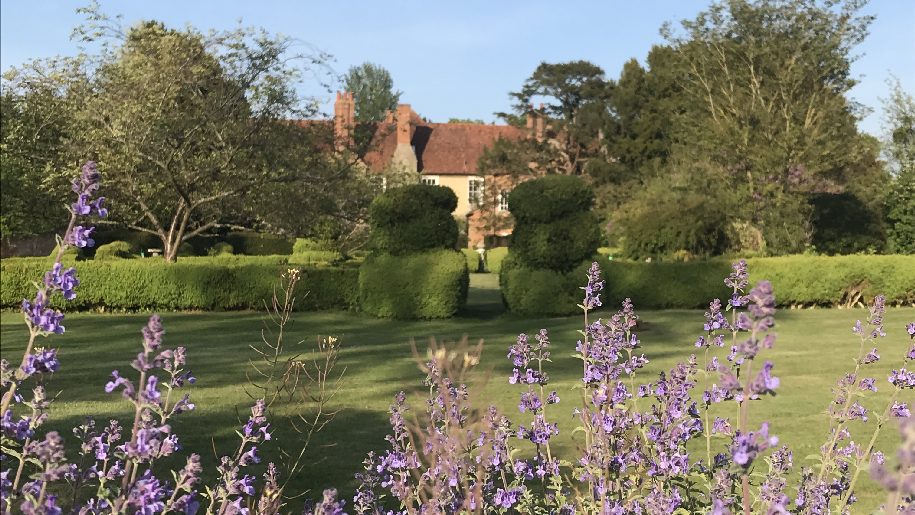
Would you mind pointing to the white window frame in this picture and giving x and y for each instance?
(475, 187)
(431, 180)
(503, 201)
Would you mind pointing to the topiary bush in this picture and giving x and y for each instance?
(541, 291)
(413, 218)
(554, 226)
(221, 249)
(474, 261)
(303, 245)
(259, 244)
(186, 250)
(115, 250)
(494, 258)
(430, 284)
(307, 257)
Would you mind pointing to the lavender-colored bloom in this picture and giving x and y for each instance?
(871, 357)
(81, 237)
(249, 457)
(745, 447)
(856, 411)
(120, 382)
(16, 429)
(100, 210)
(152, 333)
(42, 317)
(329, 505)
(764, 382)
(900, 410)
(257, 428)
(148, 495)
(506, 498)
(42, 361)
(902, 378)
(721, 426)
(593, 288)
(63, 280)
(868, 383)
(83, 205)
(739, 276)
(48, 508)
(714, 318)
(151, 394)
(910, 328)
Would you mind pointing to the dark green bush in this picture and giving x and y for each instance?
(259, 244)
(186, 250)
(114, 250)
(559, 245)
(311, 244)
(193, 283)
(549, 198)
(474, 263)
(221, 249)
(430, 284)
(412, 219)
(494, 258)
(797, 280)
(307, 257)
(843, 224)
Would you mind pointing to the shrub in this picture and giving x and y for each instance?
(259, 244)
(799, 281)
(221, 249)
(550, 197)
(494, 258)
(430, 284)
(559, 245)
(303, 245)
(193, 283)
(474, 261)
(306, 257)
(186, 250)
(114, 250)
(843, 224)
(413, 218)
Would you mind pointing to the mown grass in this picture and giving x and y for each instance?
(814, 348)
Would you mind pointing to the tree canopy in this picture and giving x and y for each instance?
(373, 91)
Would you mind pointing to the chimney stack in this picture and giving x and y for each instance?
(344, 120)
(404, 125)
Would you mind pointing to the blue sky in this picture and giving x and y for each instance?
(456, 59)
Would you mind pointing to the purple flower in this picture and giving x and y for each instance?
(593, 288)
(100, 210)
(764, 382)
(82, 206)
(745, 447)
(120, 382)
(902, 378)
(249, 457)
(152, 333)
(81, 237)
(329, 504)
(42, 361)
(66, 282)
(867, 383)
(871, 357)
(900, 410)
(148, 495)
(151, 393)
(910, 328)
(46, 319)
(714, 319)
(506, 498)
(739, 276)
(16, 429)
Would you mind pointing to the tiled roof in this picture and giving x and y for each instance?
(455, 148)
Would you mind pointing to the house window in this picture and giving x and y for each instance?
(475, 191)
(503, 200)
(431, 180)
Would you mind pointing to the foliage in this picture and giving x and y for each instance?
(539, 291)
(554, 228)
(431, 284)
(413, 218)
(221, 249)
(843, 224)
(494, 258)
(259, 244)
(474, 260)
(899, 146)
(373, 91)
(115, 250)
(306, 244)
(194, 283)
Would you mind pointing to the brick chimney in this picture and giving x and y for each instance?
(344, 120)
(536, 123)
(404, 154)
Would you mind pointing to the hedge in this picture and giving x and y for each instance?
(308, 257)
(114, 250)
(558, 245)
(797, 280)
(494, 259)
(205, 283)
(474, 261)
(221, 249)
(548, 198)
(259, 244)
(430, 284)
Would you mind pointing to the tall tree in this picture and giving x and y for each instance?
(575, 97)
(767, 83)
(899, 148)
(373, 90)
(191, 127)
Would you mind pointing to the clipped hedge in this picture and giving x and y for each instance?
(798, 281)
(494, 259)
(221, 249)
(114, 250)
(204, 283)
(307, 257)
(259, 244)
(430, 284)
(547, 198)
(474, 261)
(558, 245)
(412, 219)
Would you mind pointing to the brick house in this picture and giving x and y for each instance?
(442, 154)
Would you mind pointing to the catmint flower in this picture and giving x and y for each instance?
(49, 508)
(148, 495)
(151, 393)
(82, 206)
(593, 288)
(721, 426)
(16, 429)
(506, 498)
(902, 378)
(120, 382)
(81, 237)
(867, 383)
(42, 361)
(857, 411)
(329, 505)
(714, 319)
(100, 210)
(46, 319)
(900, 410)
(764, 382)
(870, 357)
(65, 281)
(257, 428)
(910, 328)
(739, 276)
(152, 333)
(249, 457)
(745, 447)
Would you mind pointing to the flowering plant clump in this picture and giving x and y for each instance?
(634, 431)
(113, 470)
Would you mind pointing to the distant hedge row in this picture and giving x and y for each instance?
(205, 283)
(798, 281)
(431, 284)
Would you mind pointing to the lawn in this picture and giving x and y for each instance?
(813, 349)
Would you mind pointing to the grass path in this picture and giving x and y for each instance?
(813, 349)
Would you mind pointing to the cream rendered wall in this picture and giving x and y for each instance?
(459, 185)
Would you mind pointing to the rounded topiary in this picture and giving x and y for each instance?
(114, 250)
(559, 245)
(413, 218)
(186, 249)
(221, 249)
(549, 198)
(554, 226)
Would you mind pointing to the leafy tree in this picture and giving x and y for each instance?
(766, 83)
(575, 97)
(899, 148)
(474, 121)
(373, 90)
(192, 128)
